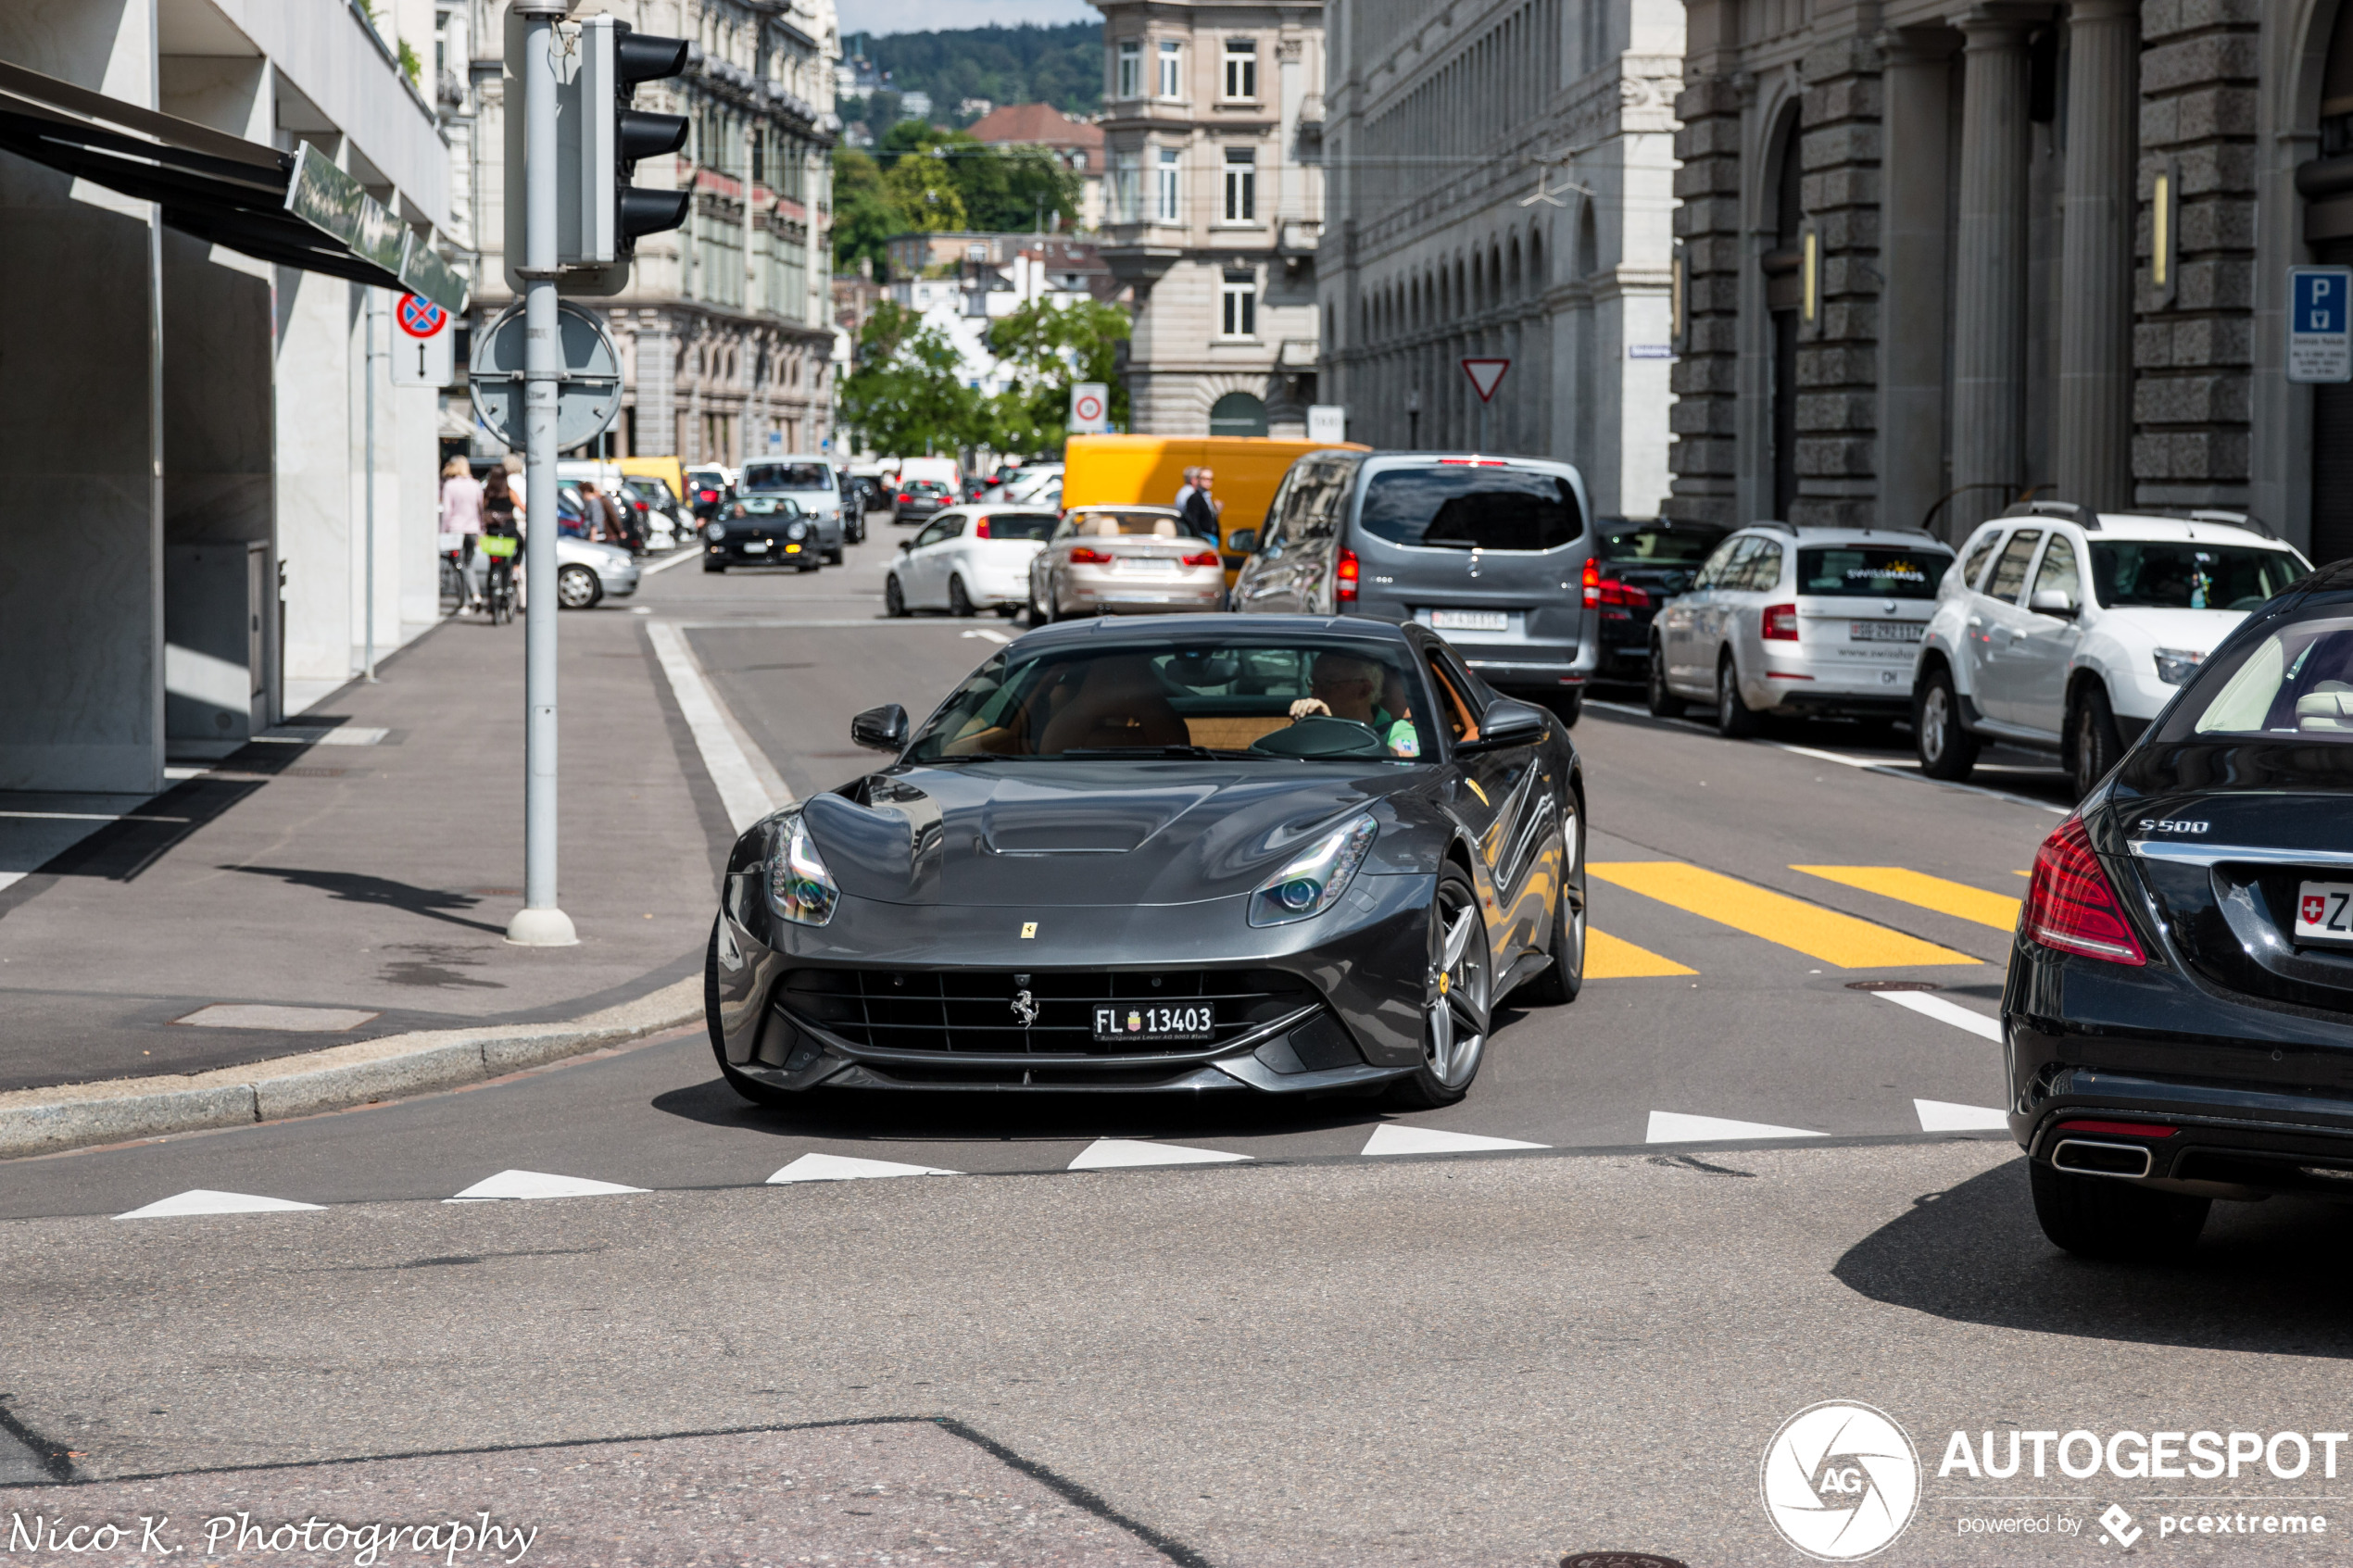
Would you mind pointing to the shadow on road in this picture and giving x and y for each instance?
(2268, 1278)
(351, 888)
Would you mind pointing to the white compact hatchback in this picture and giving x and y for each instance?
(2067, 630)
(968, 557)
(1784, 620)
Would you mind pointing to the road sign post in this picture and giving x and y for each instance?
(1486, 375)
(2320, 327)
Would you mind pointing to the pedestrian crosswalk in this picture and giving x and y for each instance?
(1829, 937)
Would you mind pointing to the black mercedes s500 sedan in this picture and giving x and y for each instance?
(2179, 1011)
(1267, 855)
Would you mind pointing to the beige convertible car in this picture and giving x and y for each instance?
(1124, 560)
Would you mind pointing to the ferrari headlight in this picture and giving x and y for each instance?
(2175, 666)
(1314, 882)
(714, 532)
(800, 887)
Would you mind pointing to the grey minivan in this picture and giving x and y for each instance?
(1488, 552)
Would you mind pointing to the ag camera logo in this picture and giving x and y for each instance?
(1841, 1481)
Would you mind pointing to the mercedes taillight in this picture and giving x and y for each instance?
(2070, 904)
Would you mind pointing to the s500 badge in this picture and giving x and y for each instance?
(2164, 824)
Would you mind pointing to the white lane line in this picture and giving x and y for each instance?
(9, 879)
(678, 556)
(843, 1168)
(528, 1184)
(203, 1200)
(1674, 1126)
(998, 637)
(1113, 1154)
(1943, 1012)
(1391, 1138)
(1943, 1116)
(743, 793)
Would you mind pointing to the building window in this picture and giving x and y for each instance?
(1172, 72)
(1241, 185)
(1241, 67)
(1164, 205)
(1238, 306)
(1130, 80)
(1126, 179)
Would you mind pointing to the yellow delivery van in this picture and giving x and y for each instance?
(1149, 470)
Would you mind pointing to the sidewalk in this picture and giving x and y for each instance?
(363, 873)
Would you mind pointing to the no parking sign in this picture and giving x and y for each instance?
(1091, 408)
(423, 354)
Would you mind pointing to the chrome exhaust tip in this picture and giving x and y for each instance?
(2090, 1157)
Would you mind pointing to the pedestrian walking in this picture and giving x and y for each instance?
(461, 524)
(1200, 509)
(1185, 491)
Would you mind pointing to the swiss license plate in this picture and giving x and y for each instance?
(2325, 912)
(754, 547)
(1155, 1021)
(1885, 631)
(1469, 621)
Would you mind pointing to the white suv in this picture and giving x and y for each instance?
(2068, 629)
(1790, 620)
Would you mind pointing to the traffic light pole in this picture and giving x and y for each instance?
(539, 923)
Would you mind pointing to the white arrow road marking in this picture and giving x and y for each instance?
(203, 1200)
(1673, 1126)
(842, 1168)
(536, 1184)
(1943, 1116)
(1391, 1138)
(985, 633)
(1110, 1154)
(1943, 1012)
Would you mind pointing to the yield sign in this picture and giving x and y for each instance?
(1486, 375)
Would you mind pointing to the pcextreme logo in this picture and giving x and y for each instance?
(1841, 1481)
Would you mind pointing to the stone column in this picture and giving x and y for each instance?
(1989, 315)
(1917, 72)
(2095, 263)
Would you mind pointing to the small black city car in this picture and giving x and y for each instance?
(2179, 1012)
(1197, 854)
(761, 531)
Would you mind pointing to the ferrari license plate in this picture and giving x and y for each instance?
(1885, 631)
(1155, 1021)
(2325, 912)
(1469, 621)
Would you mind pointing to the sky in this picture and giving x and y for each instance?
(923, 16)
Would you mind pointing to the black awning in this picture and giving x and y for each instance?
(296, 210)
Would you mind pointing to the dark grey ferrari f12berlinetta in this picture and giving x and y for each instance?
(1215, 852)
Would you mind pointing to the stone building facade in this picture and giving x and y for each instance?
(1502, 186)
(1942, 255)
(725, 330)
(1214, 127)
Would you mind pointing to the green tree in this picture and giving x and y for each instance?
(1008, 192)
(906, 397)
(1048, 347)
(925, 193)
(864, 216)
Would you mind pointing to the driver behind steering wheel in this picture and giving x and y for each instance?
(1346, 686)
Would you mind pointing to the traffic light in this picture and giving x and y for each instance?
(613, 137)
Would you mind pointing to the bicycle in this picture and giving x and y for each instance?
(498, 597)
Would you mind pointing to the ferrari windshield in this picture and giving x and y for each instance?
(1249, 698)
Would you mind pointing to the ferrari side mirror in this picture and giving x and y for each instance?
(881, 729)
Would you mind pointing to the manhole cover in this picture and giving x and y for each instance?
(1617, 1560)
(1892, 986)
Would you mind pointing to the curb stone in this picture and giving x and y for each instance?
(76, 1115)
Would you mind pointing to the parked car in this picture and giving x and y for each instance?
(588, 573)
(1124, 559)
(1490, 552)
(811, 484)
(761, 531)
(968, 557)
(2174, 1017)
(853, 507)
(2068, 631)
(666, 521)
(1790, 621)
(1638, 566)
(708, 489)
(920, 501)
(875, 495)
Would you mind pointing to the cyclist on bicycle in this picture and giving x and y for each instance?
(501, 544)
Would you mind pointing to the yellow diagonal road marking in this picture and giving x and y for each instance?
(1608, 958)
(1840, 940)
(1955, 899)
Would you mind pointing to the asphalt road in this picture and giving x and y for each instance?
(1758, 1187)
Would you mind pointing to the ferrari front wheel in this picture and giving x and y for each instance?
(1455, 998)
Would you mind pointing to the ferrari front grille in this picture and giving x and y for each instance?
(1005, 1012)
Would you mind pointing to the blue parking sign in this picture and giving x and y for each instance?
(2319, 325)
